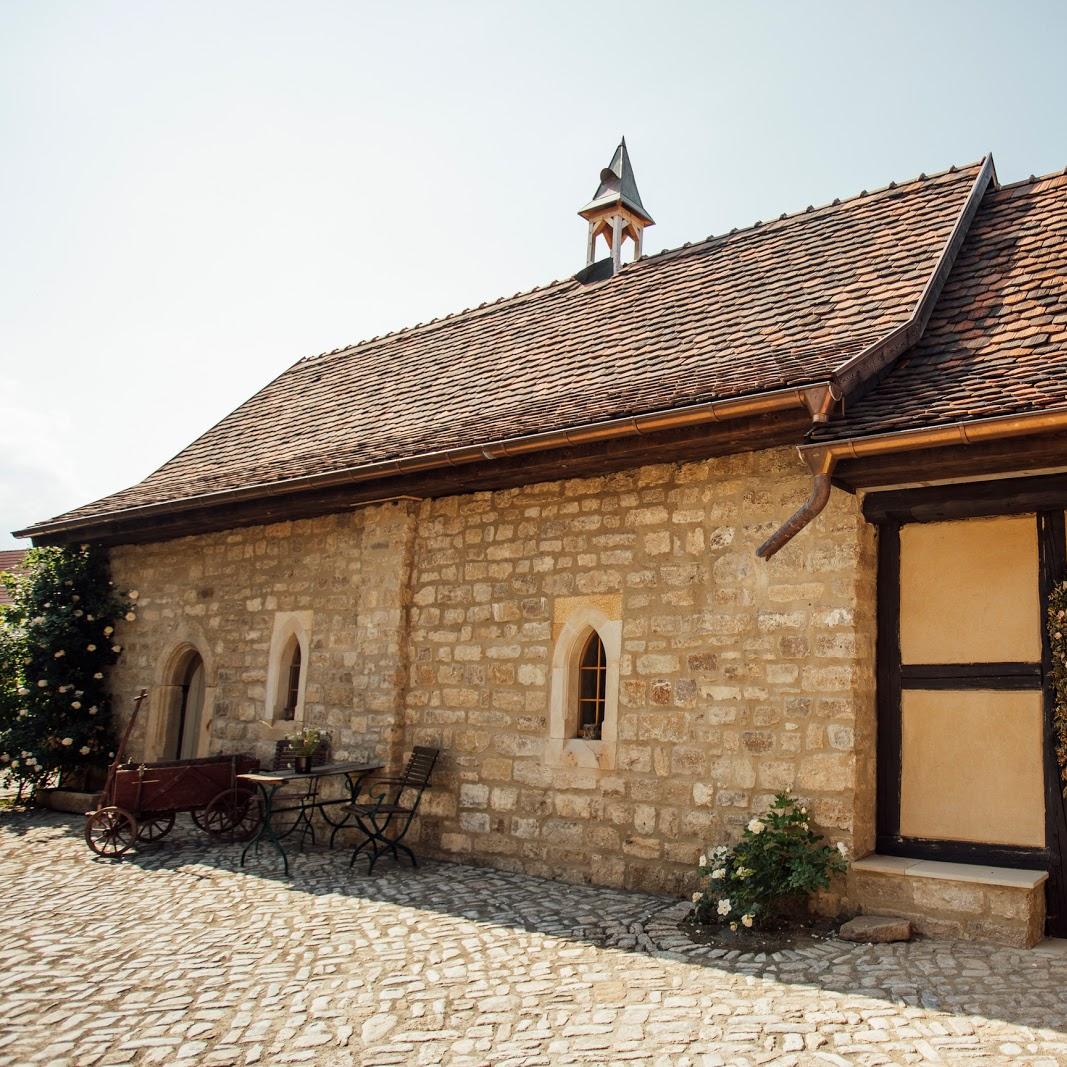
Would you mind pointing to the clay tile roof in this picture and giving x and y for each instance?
(10, 561)
(996, 343)
(780, 304)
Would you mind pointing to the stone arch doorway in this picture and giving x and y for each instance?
(184, 727)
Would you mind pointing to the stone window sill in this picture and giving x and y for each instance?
(1007, 877)
(578, 752)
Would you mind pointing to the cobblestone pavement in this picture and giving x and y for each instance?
(177, 957)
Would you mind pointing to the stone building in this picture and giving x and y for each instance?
(558, 537)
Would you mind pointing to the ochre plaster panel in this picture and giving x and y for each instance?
(972, 768)
(968, 591)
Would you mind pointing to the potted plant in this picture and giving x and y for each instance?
(304, 746)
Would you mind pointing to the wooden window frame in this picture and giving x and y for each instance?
(891, 510)
(599, 698)
(293, 667)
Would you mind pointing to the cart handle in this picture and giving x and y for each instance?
(120, 752)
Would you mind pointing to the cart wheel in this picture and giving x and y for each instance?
(110, 832)
(197, 815)
(234, 815)
(156, 826)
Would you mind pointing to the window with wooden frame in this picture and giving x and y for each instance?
(291, 680)
(592, 687)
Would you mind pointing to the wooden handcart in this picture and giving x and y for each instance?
(139, 801)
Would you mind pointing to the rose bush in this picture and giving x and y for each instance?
(1057, 633)
(55, 646)
(778, 862)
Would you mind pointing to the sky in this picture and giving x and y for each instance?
(195, 195)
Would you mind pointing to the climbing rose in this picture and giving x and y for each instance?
(724, 906)
(698, 897)
(747, 920)
(68, 741)
(756, 827)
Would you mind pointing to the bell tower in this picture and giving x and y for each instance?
(616, 211)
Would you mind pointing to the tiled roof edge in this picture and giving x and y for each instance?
(688, 248)
(859, 369)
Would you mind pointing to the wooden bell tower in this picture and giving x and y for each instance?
(616, 211)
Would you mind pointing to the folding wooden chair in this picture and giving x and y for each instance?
(385, 820)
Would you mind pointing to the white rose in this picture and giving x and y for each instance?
(703, 860)
(130, 617)
(41, 683)
(98, 676)
(58, 655)
(718, 874)
(746, 920)
(23, 691)
(67, 741)
(92, 710)
(698, 897)
(756, 827)
(843, 849)
(90, 648)
(116, 648)
(724, 906)
(109, 630)
(84, 750)
(75, 704)
(133, 594)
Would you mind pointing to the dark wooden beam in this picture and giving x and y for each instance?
(1013, 456)
(960, 676)
(672, 446)
(938, 503)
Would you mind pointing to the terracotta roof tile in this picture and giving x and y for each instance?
(780, 304)
(996, 343)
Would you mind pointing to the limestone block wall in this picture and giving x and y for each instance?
(436, 622)
(220, 593)
(737, 677)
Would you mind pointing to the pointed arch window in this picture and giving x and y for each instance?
(292, 682)
(592, 687)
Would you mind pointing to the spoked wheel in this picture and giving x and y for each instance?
(110, 832)
(234, 815)
(156, 826)
(197, 815)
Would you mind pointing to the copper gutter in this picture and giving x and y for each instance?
(817, 399)
(822, 459)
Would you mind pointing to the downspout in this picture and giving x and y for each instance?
(822, 459)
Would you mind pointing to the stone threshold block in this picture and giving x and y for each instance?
(69, 801)
(960, 900)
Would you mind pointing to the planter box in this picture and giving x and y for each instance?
(69, 801)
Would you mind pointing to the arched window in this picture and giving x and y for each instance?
(291, 681)
(592, 688)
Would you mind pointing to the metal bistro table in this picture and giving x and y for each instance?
(269, 782)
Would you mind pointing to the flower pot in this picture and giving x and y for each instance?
(302, 764)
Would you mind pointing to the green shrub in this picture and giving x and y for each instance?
(56, 645)
(777, 864)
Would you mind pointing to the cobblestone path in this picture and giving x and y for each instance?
(176, 957)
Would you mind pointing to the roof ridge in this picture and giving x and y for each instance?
(488, 306)
(1033, 179)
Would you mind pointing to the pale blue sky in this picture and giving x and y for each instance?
(196, 194)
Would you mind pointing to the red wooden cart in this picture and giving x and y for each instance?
(139, 801)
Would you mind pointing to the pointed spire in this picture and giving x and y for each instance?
(616, 211)
(618, 186)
